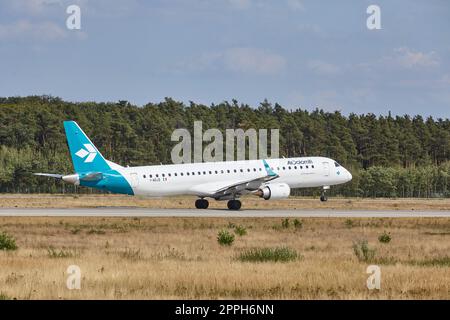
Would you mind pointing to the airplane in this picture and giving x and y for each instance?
(229, 180)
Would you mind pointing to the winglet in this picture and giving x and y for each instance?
(268, 169)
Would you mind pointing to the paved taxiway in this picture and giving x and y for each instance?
(143, 212)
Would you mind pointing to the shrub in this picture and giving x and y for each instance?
(4, 296)
(96, 231)
(384, 237)
(362, 251)
(298, 224)
(231, 225)
(349, 223)
(240, 230)
(52, 253)
(225, 238)
(433, 262)
(281, 254)
(285, 223)
(7, 242)
(75, 230)
(171, 253)
(132, 254)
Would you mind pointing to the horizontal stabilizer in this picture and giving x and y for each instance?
(50, 175)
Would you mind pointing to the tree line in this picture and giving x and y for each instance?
(389, 156)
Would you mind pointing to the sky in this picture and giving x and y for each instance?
(301, 54)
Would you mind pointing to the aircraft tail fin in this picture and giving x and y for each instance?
(85, 156)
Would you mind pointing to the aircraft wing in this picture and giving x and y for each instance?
(232, 188)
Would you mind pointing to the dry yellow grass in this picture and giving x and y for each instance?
(249, 202)
(163, 258)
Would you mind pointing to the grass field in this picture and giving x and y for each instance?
(163, 258)
(182, 202)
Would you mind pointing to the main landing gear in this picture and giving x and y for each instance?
(323, 196)
(201, 204)
(234, 204)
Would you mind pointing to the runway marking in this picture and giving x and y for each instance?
(223, 213)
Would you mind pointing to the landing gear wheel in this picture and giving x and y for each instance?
(234, 204)
(324, 197)
(201, 204)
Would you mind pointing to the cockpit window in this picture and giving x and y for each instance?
(336, 164)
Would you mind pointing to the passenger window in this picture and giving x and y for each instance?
(187, 173)
(312, 166)
(156, 175)
(150, 176)
(235, 171)
(144, 176)
(221, 171)
(295, 167)
(210, 172)
(260, 169)
(170, 174)
(307, 167)
(248, 170)
(199, 173)
(284, 168)
(204, 172)
(254, 169)
(301, 167)
(242, 170)
(215, 171)
(181, 174)
(228, 171)
(289, 168)
(175, 174)
(193, 173)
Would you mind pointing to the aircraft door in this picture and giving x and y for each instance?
(326, 169)
(134, 180)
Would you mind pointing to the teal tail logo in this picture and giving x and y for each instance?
(85, 156)
(89, 154)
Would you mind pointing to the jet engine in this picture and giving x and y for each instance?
(274, 191)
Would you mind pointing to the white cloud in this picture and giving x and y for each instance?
(205, 61)
(326, 100)
(24, 29)
(445, 80)
(245, 60)
(33, 7)
(322, 67)
(253, 60)
(296, 5)
(409, 59)
(240, 4)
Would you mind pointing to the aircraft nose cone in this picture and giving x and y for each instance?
(348, 175)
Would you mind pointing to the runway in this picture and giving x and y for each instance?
(222, 213)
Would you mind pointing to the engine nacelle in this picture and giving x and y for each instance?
(274, 191)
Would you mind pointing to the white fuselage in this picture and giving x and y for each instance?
(202, 179)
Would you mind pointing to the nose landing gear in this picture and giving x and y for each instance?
(323, 196)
